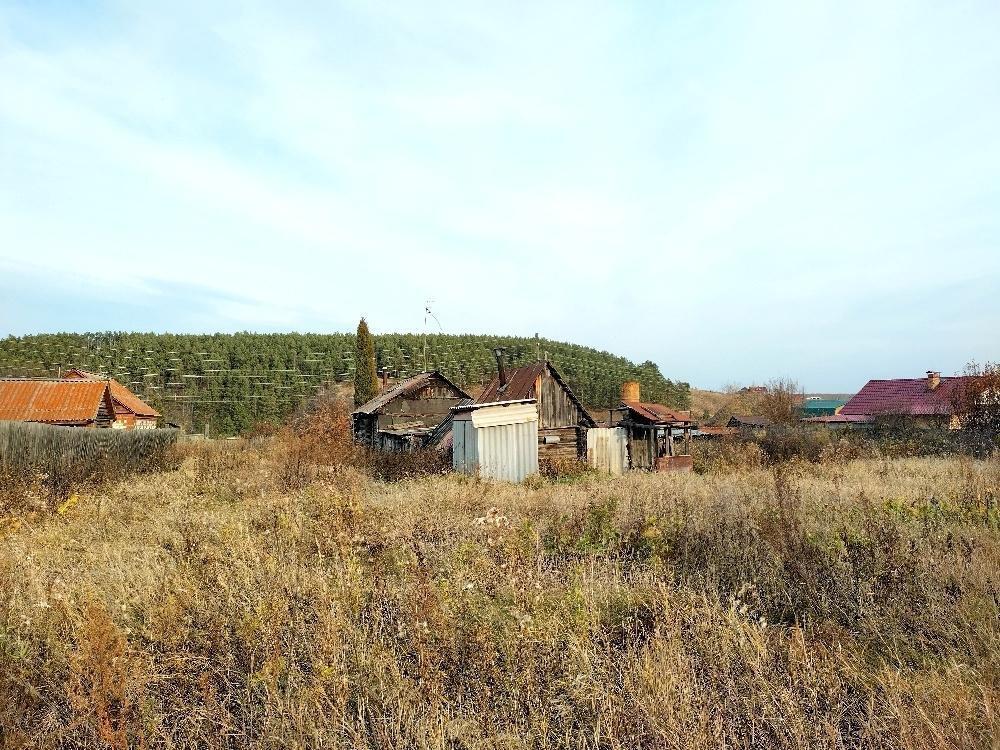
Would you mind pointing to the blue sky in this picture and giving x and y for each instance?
(737, 191)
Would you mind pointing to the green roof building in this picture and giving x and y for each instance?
(821, 407)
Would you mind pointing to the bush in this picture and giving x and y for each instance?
(565, 468)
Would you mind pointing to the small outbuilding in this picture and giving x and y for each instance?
(409, 414)
(652, 433)
(497, 440)
(740, 422)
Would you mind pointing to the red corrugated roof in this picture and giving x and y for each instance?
(903, 396)
(69, 402)
(121, 394)
(657, 413)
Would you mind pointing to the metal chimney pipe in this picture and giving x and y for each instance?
(498, 352)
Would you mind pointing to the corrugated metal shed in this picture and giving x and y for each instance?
(65, 402)
(497, 440)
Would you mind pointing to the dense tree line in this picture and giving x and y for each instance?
(232, 381)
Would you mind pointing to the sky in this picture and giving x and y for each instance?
(736, 191)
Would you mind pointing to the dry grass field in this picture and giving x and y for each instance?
(234, 602)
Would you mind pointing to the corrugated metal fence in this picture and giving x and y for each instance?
(607, 449)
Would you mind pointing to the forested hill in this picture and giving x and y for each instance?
(233, 381)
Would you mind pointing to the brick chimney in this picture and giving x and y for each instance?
(630, 390)
(933, 380)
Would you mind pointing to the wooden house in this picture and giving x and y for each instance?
(562, 419)
(411, 414)
(131, 412)
(924, 402)
(70, 403)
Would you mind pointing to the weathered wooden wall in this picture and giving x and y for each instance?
(428, 406)
(570, 445)
(555, 407)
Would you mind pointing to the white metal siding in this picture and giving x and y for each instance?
(508, 451)
(607, 449)
(499, 442)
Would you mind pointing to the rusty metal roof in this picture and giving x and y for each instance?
(656, 413)
(404, 388)
(121, 394)
(521, 385)
(68, 402)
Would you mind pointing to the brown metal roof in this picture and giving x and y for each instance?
(121, 394)
(404, 388)
(69, 402)
(521, 385)
(656, 413)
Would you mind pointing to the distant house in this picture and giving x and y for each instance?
(411, 414)
(820, 407)
(131, 412)
(923, 402)
(69, 403)
(562, 418)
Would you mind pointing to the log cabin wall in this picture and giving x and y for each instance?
(569, 442)
(559, 417)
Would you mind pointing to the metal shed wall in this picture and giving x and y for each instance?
(499, 442)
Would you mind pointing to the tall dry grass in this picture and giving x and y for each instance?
(223, 605)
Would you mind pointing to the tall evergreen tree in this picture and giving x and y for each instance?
(365, 377)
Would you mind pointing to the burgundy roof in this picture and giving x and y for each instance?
(903, 396)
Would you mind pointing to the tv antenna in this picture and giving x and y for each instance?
(427, 312)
